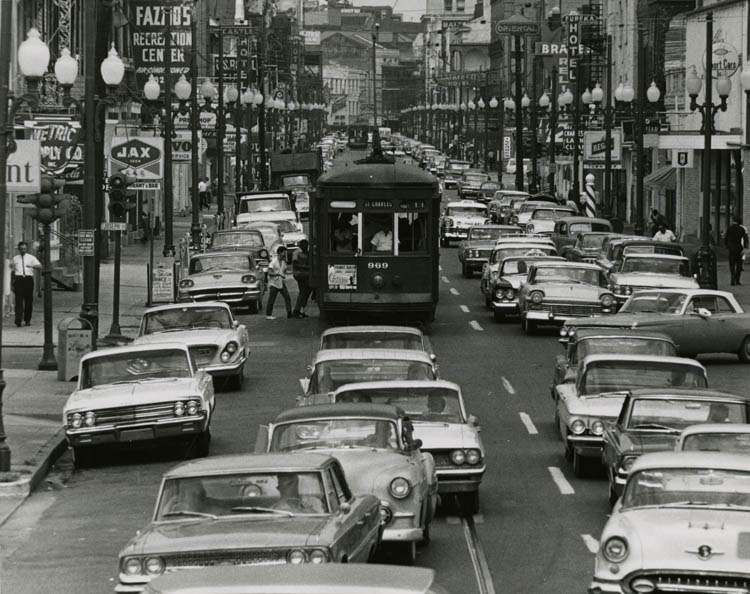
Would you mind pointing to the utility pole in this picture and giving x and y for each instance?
(168, 181)
(195, 226)
(608, 124)
(220, 123)
(262, 107)
(519, 113)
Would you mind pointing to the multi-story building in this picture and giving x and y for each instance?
(348, 91)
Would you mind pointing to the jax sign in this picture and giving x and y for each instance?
(139, 156)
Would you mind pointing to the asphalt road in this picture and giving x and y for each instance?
(537, 526)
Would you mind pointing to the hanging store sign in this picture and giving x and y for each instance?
(573, 43)
(142, 157)
(58, 142)
(182, 145)
(594, 145)
(149, 19)
(22, 171)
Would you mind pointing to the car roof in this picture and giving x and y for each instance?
(259, 195)
(348, 354)
(688, 292)
(652, 256)
(524, 244)
(245, 229)
(686, 394)
(692, 459)
(641, 358)
(501, 227)
(567, 264)
(157, 346)
(329, 578)
(339, 410)
(247, 463)
(372, 329)
(466, 203)
(389, 384)
(716, 428)
(188, 305)
(647, 241)
(578, 219)
(534, 258)
(218, 253)
(594, 332)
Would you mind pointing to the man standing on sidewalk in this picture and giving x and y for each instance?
(736, 240)
(202, 189)
(276, 276)
(22, 268)
(301, 272)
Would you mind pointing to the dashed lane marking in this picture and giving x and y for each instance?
(445, 279)
(454, 291)
(474, 324)
(464, 308)
(562, 483)
(528, 423)
(508, 386)
(591, 543)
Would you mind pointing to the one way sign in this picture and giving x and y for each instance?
(682, 158)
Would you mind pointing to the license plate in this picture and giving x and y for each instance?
(136, 434)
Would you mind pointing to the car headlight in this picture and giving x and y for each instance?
(263, 254)
(499, 293)
(458, 457)
(75, 420)
(628, 290)
(179, 409)
(318, 556)
(564, 332)
(615, 549)
(514, 220)
(154, 566)
(597, 428)
(473, 457)
(578, 426)
(536, 297)
(448, 222)
(296, 557)
(186, 283)
(132, 566)
(89, 419)
(529, 228)
(386, 515)
(627, 463)
(249, 278)
(607, 300)
(510, 294)
(400, 487)
(192, 408)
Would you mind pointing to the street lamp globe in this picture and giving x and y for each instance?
(152, 88)
(544, 100)
(724, 86)
(258, 98)
(586, 97)
(510, 104)
(208, 90)
(182, 88)
(561, 99)
(462, 107)
(292, 106)
(693, 83)
(471, 105)
(525, 101)
(619, 92)
(434, 106)
(628, 93)
(112, 68)
(481, 103)
(568, 97)
(494, 103)
(247, 97)
(33, 55)
(597, 95)
(653, 93)
(270, 103)
(231, 94)
(745, 78)
(66, 68)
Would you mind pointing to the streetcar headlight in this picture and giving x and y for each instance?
(400, 487)
(89, 419)
(296, 557)
(578, 426)
(615, 549)
(473, 457)
(75, 420)
(458, 457)
(154, 566)
(378, 281)
(536, 297)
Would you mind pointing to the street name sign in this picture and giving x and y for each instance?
(113, 226)
(23, 169)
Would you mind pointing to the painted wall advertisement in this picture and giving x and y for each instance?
(342, 277)
(149, 19)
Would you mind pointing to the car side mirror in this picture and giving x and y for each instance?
(473, 421)
(345, 507)
(236, 324)
(703, 312)
(304, 384)
(570, 376)
(416, 444)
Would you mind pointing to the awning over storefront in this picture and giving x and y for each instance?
(662, 178)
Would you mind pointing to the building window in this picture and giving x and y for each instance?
(460, 5)
(448, 5)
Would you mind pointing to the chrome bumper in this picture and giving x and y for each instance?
(402, 528)
(222, 370)
(588, 446)
(506, 306)
(144, 431)
(459, 480)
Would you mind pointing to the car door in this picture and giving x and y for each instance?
(563, 363)
(612, 433)
(732, 327)
(358, 528)
(700, 333)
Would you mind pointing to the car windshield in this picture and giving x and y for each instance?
(654, 302)
(131, 366)
(372, 340)
(687, 487)
(253, 239)
(516, 266)
(208, 262)
(584, 227)
(457, 166)
(550, 214)
(655, 266)
(285, 226)
(264, 204)
(465, 211)
(517, 202)
(670, 250)
(330, 375)
(336, 433)
(506, 252)
(617, 376)
(567, 274)
(420, 404)
(483, 234)
(590, 242)
(261, 494)
(490, 187)
(625, 345)
(295, 180)
(527, 208)
(186, 318)
(270, 233)
(717, 442)
(476, 177)
(675, 415)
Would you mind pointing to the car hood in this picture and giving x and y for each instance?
(436, 436)
(466, 220)
(514, 280)
(295, 236)
(370, 471)
(644, 442)
(274, 215)
(568, 291)
(649, 279)
(603, 407)
(132, 394)
(668, 538)
(214, 277)
(628, 320)
(479, 245)
(215, 336)
(261, 530)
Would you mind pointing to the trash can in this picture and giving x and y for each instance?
(74, 340)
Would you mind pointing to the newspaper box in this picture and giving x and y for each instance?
(74, 340)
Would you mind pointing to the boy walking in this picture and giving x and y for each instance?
(301, 272)
(276, 275)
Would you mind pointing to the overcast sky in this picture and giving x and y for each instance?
(411, 9)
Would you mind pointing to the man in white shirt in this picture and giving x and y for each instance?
(202, 189)
(382, 241)
(22, 269)
(276, 276)
(665, 235)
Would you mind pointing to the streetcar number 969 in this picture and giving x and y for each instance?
(377, 265)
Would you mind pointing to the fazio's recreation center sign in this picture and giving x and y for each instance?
(150, 19)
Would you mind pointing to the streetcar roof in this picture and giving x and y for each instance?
(380, 174)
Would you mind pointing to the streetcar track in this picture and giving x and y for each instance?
(478, 558)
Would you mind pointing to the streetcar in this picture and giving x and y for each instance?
(374, 229)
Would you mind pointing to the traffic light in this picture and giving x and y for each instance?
(47, 204)
(121, 199)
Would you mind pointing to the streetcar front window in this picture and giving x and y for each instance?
(412, 232)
